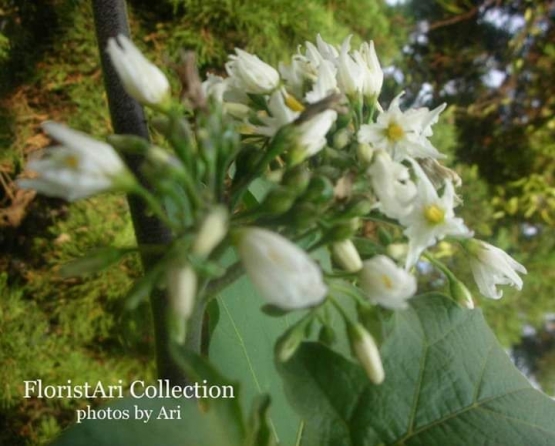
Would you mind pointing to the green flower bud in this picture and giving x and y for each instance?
(461, 294)
(303, 215)
(320, 190)
(278, 201)
(327, 335)
(296, 179)
(341, 139)
(365, 153)
(339, 232)
(358, 207)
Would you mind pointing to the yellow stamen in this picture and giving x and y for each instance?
(71, 161)
(434, 214)
(293, 104)
(387, 281)
(394, 132)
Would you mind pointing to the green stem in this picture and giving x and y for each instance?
(233, 273)
(155, 206)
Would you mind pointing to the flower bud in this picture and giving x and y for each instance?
(311, 136)
(341, 139)
(320, 190)
(347, 256)
(365, 153)
(304, 215)
(339, 232)
(141, 79)
(460, 293)
(250, 74)
(358, 207)
(212, 231)
(365, 349)
(397, 251)
(283, 274)
(182, 286)
(278, 201)
(297, 179)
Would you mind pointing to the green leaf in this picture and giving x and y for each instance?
(94, 261)
(448, 382)
(203, 422)
(242, 345)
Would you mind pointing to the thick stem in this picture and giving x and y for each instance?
(110, 17)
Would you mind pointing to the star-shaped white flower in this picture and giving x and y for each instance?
(392, 185)
(431, 218)
(403, 134)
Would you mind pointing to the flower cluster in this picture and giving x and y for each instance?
(299, 155)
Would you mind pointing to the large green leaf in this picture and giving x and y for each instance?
(242, 346)
(448, 382)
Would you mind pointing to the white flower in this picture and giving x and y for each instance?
(325, 85)
(392, 185)
(252, 75)
(347, 256)
(313, 55)
(328, 51)
(297, 73)
(280, 114)
(365, 349)
(212, 231)
(349, 73)
(431, 218)
(182, 287)
(282, 272)
(372, 78)
(214, 87)
(385, 284)
(401, 134)
(78, 169)
(141, 79)
(311, 135)
(492, 266)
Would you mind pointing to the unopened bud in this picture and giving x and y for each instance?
(365, 153)
(288, 346)
(278, 201)
(397, 251)
(304, 214)
(182, 286)
(461, 294)
(212, 231)
(320, 190)
(327, 335)
(297, 179)
(291, 340)
(341, 139)
(339, 232)
(358, 207)
(365, 349)
(347, 256)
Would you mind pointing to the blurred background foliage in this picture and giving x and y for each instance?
(491, 60)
